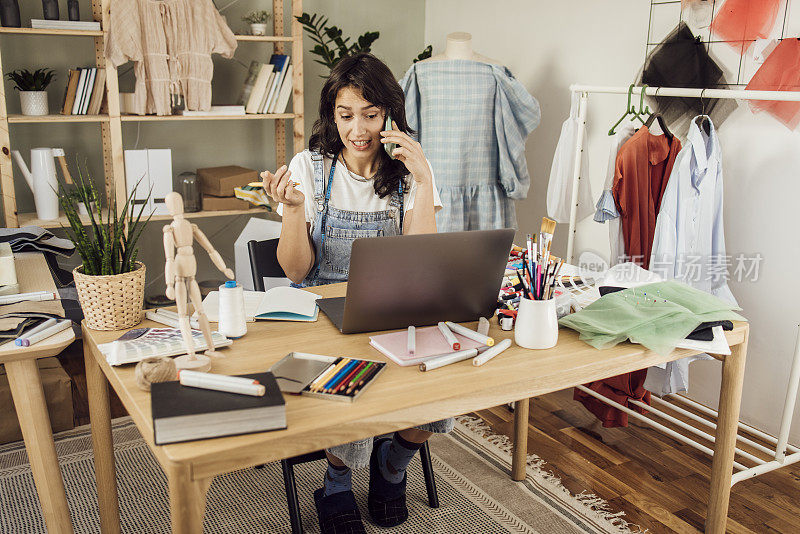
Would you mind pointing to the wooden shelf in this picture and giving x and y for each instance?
(265, 38)
(42, 31)
(29, 219)
(249, 116)
(56, 118)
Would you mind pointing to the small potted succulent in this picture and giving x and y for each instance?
(31, 87)
(258, 22)
(78, 195)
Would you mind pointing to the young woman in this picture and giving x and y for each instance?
(345, 187)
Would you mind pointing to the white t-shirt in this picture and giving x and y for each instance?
(347, 193)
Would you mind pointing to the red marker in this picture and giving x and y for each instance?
(449, 337)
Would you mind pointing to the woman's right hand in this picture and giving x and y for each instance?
(281, 188)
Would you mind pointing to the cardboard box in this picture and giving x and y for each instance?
(212, 203)
(220, 181)
(57, 393)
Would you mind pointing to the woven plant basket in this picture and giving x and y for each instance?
(111, 302)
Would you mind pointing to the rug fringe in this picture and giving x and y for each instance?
(591, 503)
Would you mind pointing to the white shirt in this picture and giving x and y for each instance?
(689, 242)
(559, 189)
(350, 191)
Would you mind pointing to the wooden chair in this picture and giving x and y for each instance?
(264, 263)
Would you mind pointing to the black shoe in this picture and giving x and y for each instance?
(387, 501)
(338, 513)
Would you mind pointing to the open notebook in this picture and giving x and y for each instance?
(277, 304)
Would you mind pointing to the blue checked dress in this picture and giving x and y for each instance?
(472, 119)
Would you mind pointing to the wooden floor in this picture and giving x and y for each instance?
(660, 484)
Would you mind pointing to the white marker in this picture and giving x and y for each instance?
(412, 340)
(25, 335)
(35, 296)
(447, 359)
(448, 336)
(491, 353)
(218, 378)
(209, 382)
(47, 332)
(471, 334)
(483, 326)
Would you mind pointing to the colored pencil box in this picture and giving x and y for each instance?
(297, 371)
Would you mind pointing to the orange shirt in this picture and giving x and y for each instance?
(643, 166)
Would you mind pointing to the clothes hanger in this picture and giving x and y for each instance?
(704, 123)
(629, 110)
(661, 122)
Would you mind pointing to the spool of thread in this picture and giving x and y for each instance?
(152, 370)
(506, 323)
(232, 322)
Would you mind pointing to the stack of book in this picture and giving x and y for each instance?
(84, 92)
(268, 86)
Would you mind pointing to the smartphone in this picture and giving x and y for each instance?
(389, 147)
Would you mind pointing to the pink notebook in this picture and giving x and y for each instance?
(429, 341)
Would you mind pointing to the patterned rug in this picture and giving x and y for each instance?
(472, 466)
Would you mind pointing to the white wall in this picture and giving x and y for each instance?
(548, 46)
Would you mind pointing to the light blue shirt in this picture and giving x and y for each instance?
(689, 241)
(472, 119)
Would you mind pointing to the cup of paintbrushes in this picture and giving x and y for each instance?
(536, 326)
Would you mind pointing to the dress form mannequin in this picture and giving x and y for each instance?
(180, 271)
(459, 46)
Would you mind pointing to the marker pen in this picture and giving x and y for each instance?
(46, 324)
(210, 382)
(448, 336)
(47, 332)
(412, 340)
(22, 297)
(480, 359)
(471, 334)
(219, 378)
(447, 359)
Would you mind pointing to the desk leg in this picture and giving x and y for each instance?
(187, 499)
(730, 398)
(102, 442)
(28, 395)
(519, 458)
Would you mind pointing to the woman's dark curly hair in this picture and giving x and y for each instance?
(378, 86)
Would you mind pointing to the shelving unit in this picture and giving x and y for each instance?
(111, 123)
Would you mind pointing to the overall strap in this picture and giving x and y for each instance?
(397, 202)
(322, 207)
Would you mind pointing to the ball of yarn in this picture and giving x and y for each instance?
(150, 370)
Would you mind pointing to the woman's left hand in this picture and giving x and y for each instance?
(409, 152)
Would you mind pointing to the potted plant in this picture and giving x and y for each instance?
(31, 87)
(258, 22)
(77, 196)
(110, 282)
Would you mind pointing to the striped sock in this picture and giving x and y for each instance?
(394, 456)
(337, 479)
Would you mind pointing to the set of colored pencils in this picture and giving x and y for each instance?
(345, 376)
(540, 269)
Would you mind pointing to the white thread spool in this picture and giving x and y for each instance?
(232, 322)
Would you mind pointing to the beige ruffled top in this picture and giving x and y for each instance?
(170, 42)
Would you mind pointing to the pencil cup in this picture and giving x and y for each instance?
(536, 326)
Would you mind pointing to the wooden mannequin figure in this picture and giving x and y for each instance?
(180, 272)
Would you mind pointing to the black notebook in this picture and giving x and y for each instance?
(183, 413)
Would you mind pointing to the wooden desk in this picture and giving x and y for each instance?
(403, 397)
(26, 390)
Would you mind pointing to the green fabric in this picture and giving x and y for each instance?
(655, 315)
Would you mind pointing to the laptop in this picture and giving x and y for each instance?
(399, 281)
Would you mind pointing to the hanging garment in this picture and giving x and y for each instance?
(689, 240)
(620, 389)
(170, 43)
(472, 120)
(682, 60)
(606, 207)
(780, 72)
(740, 22)
(642, 170)
(559, 189)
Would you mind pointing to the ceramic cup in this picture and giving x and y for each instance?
(536, 326)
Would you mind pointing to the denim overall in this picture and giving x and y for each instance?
(333, 233)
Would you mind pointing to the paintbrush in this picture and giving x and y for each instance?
(547, 230)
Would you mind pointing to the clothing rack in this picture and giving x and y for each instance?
(783, 454)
